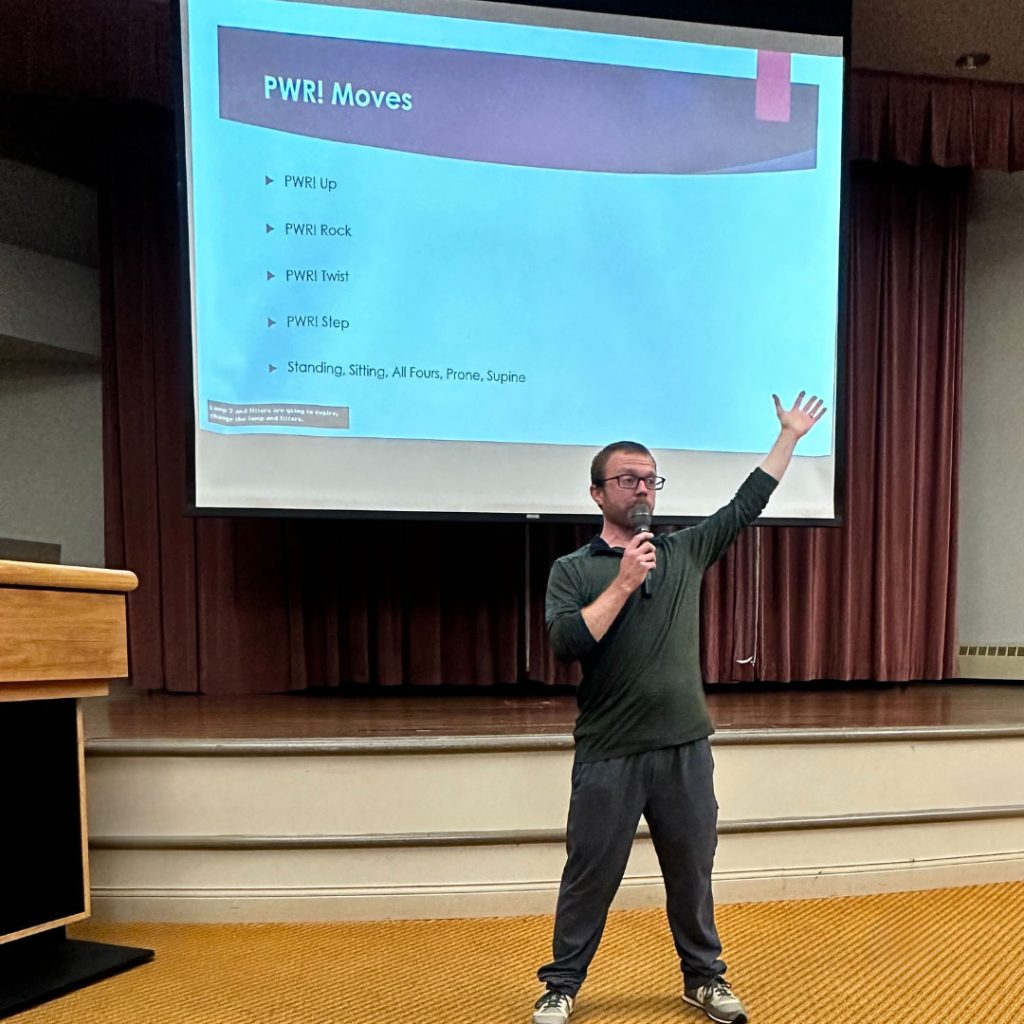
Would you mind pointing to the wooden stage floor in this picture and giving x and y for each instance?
(130, 714)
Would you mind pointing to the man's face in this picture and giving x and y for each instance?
(617, 503)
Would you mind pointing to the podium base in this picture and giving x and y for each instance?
(42, 967)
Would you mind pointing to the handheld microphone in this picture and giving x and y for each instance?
(641, 518)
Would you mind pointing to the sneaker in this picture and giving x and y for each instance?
(717, 1000)
(552, 1008)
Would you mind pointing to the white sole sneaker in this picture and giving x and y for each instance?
(741, 1019)
(556, 1015)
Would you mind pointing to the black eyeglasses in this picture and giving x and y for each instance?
(629, 481)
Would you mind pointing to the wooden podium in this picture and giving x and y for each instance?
(62, 637)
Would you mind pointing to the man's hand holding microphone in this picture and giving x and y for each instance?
(639, 556)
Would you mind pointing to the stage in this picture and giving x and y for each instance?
(138, 715)
(329, 807)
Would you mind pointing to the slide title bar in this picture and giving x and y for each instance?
(516, 110)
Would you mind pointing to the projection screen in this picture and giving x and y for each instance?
(440, 253)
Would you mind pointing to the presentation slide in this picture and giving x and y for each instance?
(440, 256)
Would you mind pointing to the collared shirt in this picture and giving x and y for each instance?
(642, 687)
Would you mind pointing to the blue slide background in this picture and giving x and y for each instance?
(667, 308)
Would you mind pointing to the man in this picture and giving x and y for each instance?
(642, 730)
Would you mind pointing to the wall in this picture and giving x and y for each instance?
(991, 567)
(51, 470)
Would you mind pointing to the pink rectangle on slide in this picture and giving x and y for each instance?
(773, 86)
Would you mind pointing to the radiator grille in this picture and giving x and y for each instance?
(993, 650)
(992, 661)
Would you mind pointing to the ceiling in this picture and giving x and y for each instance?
(925, 37)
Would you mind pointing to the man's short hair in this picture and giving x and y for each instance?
(600, 463)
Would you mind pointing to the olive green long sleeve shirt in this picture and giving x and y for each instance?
(642, 687)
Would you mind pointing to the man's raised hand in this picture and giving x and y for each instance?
(800, 417)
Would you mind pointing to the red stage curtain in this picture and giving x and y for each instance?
(875, 599)
(88, 49)
(258, 605)
(941, 122)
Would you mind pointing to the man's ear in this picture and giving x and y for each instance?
(598, 495)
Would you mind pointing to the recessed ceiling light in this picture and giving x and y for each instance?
(972, 61)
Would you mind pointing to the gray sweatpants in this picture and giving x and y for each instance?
(673, 789)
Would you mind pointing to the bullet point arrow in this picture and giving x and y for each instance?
(271, 367)
(267, 180)
(270, 227)
(270, 276)
(270, 323)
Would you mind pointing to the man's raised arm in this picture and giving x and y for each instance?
(794, 423)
